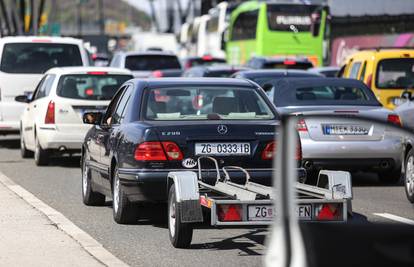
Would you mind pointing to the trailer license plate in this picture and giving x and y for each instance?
(266, 212)
(222, 149)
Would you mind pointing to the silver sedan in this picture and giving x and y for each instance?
(331, 136)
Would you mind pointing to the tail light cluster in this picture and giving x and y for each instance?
(270, 150)
(328, 212)
(158, 151)
(50, 113)
(229, 213)
(394, 119)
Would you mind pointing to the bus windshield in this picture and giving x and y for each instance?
(291, 17)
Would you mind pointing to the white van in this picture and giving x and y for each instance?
(23, 60)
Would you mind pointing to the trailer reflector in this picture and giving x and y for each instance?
(328, 212)
(229, 213)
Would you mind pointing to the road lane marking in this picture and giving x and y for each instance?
(395, 218)
(88, 243)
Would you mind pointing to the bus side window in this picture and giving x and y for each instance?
(245, 26)
(354, 70)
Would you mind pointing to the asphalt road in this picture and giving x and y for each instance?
(147, 243)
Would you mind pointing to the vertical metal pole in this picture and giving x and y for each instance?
(16, 19)
(79, 18)
(153, 16)
(5, 16)
(35, 18)
(101, 17)
(39, 15)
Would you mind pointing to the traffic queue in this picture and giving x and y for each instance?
(144, 127)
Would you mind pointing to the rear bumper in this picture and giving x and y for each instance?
(386, 154)
(10, 113)
(151, 185)
(52, 138)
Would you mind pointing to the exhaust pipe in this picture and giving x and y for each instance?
(384, 165)
(307, 164)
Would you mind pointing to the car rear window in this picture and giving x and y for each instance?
(222, 74)
(288, 66)
(206, 103)
(326, 95)
(151, 62)
(90, 86)
(37, 58)
(395, 73)
(204, 62)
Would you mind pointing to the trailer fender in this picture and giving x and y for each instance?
(339, 182)
(187, 195)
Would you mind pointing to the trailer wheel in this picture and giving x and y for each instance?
(180, 233)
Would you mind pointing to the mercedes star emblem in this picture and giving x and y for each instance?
(222, 129)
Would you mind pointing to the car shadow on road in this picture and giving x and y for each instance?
(10, 144)
(366, 179)
(249, 246)
(65, 161)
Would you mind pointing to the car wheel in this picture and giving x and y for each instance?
(390, 177)
(124, 212)
(23, 151)
(89, 197)
(409, 176)
(41, 155)
(180, 233)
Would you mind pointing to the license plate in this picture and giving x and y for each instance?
(222, 149)
(266, 212)
(344, 130)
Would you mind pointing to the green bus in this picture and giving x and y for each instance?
(259, 28)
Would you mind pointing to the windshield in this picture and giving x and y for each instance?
(37, 58)
(290, 17)
(395, 73)
(151, 62)
(325, 95)
(206, 103)
(90, 86)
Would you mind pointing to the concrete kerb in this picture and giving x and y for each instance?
(93, 247)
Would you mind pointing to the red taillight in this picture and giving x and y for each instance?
(89, 92)
(229, 213)
(172, 150)
(269, 151)
(369, 81)
(158, 151)
(328, 212)
(150, 151)
(157, 74)
(395, 119)
(97, 72)
(50, 113)
(289, 62)
(299, 151)
(301, 127)
(207, 58)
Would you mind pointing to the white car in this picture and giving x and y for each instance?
(52, 120)
(23, 61)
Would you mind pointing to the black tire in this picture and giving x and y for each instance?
(89, 197)
(180, 233)
(23, 150)
(409, 176)
(41, 156)
(124, 212)
(390, 177)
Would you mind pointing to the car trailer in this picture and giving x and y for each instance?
(249, 204)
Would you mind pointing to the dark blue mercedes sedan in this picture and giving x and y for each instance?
(154, 126)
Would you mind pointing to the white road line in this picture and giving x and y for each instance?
(395, 218)
(87, 242)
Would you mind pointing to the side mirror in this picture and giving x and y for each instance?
(406, 95)
(94, 118)
(22, 98)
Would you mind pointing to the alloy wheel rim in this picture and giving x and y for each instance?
(171, 217)
(409, 175)
(116, 194)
